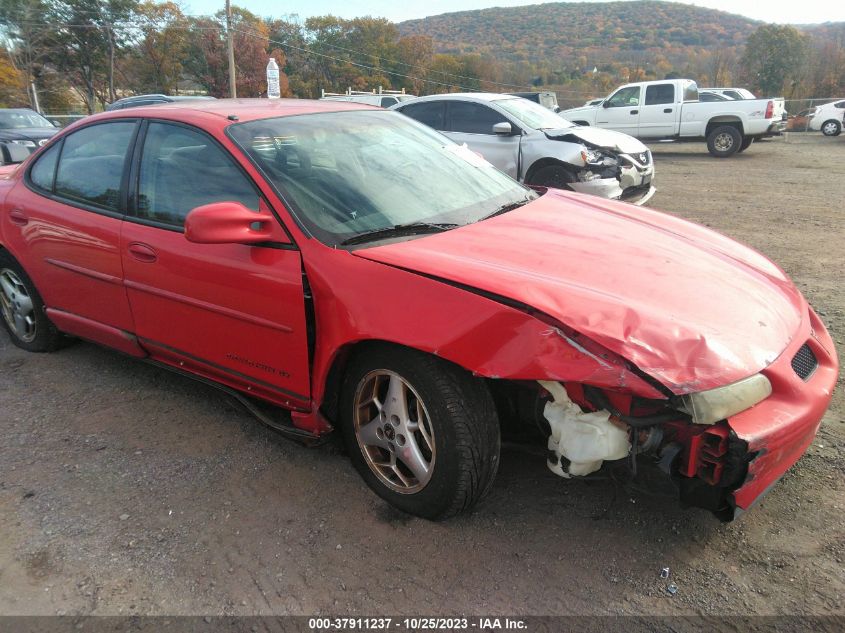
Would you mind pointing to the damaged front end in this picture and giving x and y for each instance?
(606, 170)
(588, 426)
(724, 448)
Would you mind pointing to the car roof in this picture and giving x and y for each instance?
(219, 113)
(468, 96)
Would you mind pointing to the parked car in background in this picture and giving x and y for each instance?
(368, 275)
(538, 147)
(546, 99)
(737, 94)
(381, 98)
(153, 99)
(828, 118)
(671, 109)
(709, 96)
(25, 128)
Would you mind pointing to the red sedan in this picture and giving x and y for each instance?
(367, 274)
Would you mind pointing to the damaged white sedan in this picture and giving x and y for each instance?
(538, 147)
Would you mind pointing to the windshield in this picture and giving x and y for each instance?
(349, 173)
(532, 115)
(21, 119)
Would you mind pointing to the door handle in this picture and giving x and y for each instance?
(17, 216)
(142, 252)
(667, 110)
(634, 112)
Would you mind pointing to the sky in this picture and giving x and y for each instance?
(782, 11)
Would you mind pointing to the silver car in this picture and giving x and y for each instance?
(538, 147)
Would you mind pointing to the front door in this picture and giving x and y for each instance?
(233, 312)
(621, 111)
(659, 111)
(472, 123)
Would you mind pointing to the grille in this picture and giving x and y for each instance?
(804, 363)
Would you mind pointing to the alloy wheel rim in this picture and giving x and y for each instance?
(829, 128)
(394, 431)
(17, 306)
(724, 142)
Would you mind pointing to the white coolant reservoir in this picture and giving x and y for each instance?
(585, 439)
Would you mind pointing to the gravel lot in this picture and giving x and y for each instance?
(127, 490)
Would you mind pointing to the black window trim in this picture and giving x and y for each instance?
(441, 102)
(134, 178)
(448, 117)
(73, 202)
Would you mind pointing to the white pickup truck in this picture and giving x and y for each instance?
(670, 109)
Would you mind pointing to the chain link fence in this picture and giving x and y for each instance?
(812, 115)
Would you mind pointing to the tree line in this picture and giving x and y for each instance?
(82, 54)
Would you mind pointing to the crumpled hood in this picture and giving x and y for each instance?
(599, 137)
(688, 306)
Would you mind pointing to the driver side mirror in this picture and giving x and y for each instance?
(605, 103)
(503, 129)
(231, 223)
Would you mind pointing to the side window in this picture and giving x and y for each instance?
(473, 118)
(182, 169)
(840, 105)
(429, 113)
(626, 97)
(44, 170)
(92, 163)
(386, 102)
(660, 93)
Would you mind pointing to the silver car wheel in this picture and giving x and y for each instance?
(394, 431)
(723, 142)
(17, 306)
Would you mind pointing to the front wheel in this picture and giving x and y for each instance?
(554, 176)
(724, 141)
(831, 128)
(422, 432)
(22, 309)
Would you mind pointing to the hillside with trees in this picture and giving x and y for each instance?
(78, 55)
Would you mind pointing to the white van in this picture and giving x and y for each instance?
(381, 98)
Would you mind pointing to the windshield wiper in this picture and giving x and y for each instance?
(507, 207)
(398, 230)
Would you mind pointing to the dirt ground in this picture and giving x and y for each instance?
(127, 490)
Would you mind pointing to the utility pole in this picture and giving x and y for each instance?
(233, 91)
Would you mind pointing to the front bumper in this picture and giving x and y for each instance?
(778, 430)
(633, 183)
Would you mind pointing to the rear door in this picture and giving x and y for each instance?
(659, 111)
(63, 222)
(472, 123)
(233, 312)
(621, 111)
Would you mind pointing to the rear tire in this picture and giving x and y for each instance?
(724, 141)
(22, 309)
(831, 128)
(422, 432)
(746, 143)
